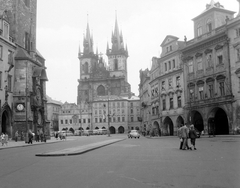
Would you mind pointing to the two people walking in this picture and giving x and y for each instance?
(184, 133)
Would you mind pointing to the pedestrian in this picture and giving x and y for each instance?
(2, 139)
(16, 136)
(180, 136)
(184, 133)
(30, 137)
(192, 136)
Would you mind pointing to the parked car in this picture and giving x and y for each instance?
(133, 134)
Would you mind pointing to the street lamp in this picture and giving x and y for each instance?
(108, 114)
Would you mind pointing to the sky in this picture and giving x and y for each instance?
(61, 25)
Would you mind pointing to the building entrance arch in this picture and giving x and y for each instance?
(121, 129)
(156, 128)
(197, 120)
(179, 121)
(168, 126)
(112, 130)
(6, 122)
(218, 122)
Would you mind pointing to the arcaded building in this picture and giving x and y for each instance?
(208, 76)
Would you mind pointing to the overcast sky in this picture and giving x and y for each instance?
(144, 25)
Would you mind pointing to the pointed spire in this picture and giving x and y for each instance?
(79, 52)
(107, 51)
(88, 40)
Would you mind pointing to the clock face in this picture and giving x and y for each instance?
(20, 107)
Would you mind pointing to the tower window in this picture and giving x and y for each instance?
(115, 64)
(101, 91)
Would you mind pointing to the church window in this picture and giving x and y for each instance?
(101, 91)
(85, 68)
(115, 64)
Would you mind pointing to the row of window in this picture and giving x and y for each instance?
(208, 61)
(170, 65)
(209, 90)
(97, 120)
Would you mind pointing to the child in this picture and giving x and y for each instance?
(192, 136)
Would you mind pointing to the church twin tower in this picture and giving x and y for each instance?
(99, 80)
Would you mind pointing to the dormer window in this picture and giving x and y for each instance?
(209, 26)
(199, 30)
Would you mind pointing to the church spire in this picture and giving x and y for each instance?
(88, 41)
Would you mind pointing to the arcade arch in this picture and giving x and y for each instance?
(168, 126)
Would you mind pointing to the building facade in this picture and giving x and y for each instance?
(154, 99)
(171, 86)
(53, 110)
(208, 81)
(145, 104)
(29, 86)
(233, 31)
(7, 50)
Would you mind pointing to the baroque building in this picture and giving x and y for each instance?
(208, 78)
(233, 31)
(104, 88)
(145, 105)
(171, 92)
(29, 80)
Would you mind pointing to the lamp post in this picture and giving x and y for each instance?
(108, 114)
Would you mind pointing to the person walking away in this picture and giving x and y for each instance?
(16, 136)
(30, 137)
(184, 133)
(192, 136)
(179, 132)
